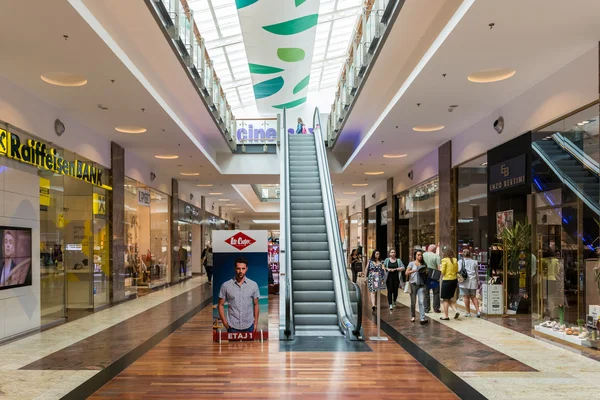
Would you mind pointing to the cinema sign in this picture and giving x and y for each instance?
(36, 153)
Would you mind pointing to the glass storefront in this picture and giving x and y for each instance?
(472, 223)
(566, 228)
(371, 231)
(418, 218)
(356, 226)
(74, 246)
(147, 238)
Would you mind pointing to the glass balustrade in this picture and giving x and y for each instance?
(181, 27)
(369, 31)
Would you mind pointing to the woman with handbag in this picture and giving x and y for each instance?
(355, 264)
(393, 267)
(449, 282)
(416, 273)
(468, 287)
(375, 277)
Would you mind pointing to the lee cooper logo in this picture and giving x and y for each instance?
(240, 241)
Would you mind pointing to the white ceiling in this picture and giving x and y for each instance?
(536, 42)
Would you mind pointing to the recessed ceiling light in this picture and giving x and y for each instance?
(63, 79)
(229, 205)
(240, 212)
(491, 75)
(394, 155)
(205, 185)
(167, 157)
(428, 128)
(360, 184)
(215, 193)
(349, 192)
(224, 200)
(190, 174)
(374, 173)
(130, 129)
(236, 208)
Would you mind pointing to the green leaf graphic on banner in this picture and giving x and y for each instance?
(291, 54)
(303, 83)
(291, 104)
(293, 26)
(268, 88)
(263, 69)
(245, 3)
(299, 2)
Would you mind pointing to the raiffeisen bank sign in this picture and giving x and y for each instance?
(37, 153)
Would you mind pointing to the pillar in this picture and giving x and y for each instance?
(174, 230)
(447, 197)
(391, 216)
(116, 227)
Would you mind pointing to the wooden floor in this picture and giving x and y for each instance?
(188, 365)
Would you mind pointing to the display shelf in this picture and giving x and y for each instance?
(567, 338)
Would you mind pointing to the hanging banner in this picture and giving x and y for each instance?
(240, 285)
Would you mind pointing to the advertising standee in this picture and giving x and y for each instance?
(240, 285)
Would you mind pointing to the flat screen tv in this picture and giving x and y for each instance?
(15, 257)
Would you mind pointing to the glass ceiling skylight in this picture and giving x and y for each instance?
(219, 25)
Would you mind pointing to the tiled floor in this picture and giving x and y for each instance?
(498, 362)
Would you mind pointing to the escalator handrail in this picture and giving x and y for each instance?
(588, 163)
(566, 179)
(335, 243)
(285, 235)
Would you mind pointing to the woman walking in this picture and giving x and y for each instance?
(355, 264)
(375, 277)
(301, 128)
(416, 273)
(393, 266)
(468, 287)
(449, 282)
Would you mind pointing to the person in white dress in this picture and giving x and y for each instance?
(468, 287)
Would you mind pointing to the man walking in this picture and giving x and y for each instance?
(241, 295)
(433, 262)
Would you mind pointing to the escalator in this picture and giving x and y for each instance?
(572, 166)
(317, 297)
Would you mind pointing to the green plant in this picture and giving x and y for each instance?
(516, 240)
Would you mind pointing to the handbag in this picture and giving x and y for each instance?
(434, 274)
(462, 273)
(407, 288)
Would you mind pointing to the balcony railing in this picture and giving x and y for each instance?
(178, 20)
(368, 34)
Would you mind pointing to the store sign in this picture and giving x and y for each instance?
(240, 241)
(189, 213)
(508, 174)
(143, 197)
(384, 215)
(44, 192)
(74, 247)
(38, 154)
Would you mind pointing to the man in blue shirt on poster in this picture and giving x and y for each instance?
(241, 295)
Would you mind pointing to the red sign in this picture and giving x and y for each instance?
(240, 241)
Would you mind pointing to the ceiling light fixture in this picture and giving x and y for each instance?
(240, 212)
(205, 185)
(582, 123)
(374, 173)
(229, 205)
(266, 221)
(360, 184)
(63, 79)
(349, 192)
(484, 164)
(166, 157)
(225, 200)
(190, 174)
(394, 155)
(133, 129)
(428, 128)
(491, 75)
(215, 193)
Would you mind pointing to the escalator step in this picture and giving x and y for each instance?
(305, 237)
(310, 246)
(314, 308)
(312, 275)
(301, 265)
(307, 206)
(314, 295)
(312, 284)
(308, 221)
(303, 193)
(316, 319)
(308, 229)
(305, 186)
(307, 199)
(310, 255)
(314, 213)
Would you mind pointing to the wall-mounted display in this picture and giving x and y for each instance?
(15, 270)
